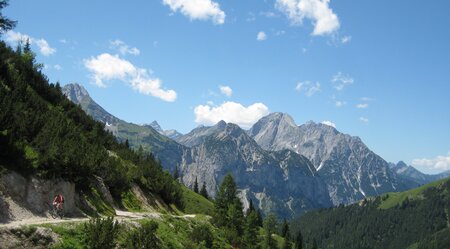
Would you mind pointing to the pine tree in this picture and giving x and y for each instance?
(284, 228)
(176, 173)
(299, 240)
(127, 144)
(285, 232)
(251, 231)
(251, 208)
(260, 219)
(270, 224)
(5, 23)
(228, 210)
(203, 191)
(196, 186)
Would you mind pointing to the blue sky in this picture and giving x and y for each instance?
(375, 69)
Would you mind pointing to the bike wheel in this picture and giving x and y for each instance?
(53, 213)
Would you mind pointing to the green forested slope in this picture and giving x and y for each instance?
(418, 218)
(43, 133)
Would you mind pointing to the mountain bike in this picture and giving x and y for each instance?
(56, 212)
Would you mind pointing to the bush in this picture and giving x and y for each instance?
(100, 233)
(202, 234)
(143, 237)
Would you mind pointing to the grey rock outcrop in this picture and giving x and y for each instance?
(33, 196)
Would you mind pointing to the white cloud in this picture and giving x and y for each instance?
(44, 47)
(364, 120)
(124, 48)
(339, 103)
(438, 163)
(268, 14)
(346, 39)
(362, 105)
(57, 67)
(230, 112)
(280, 32)
(261, 36)
(198, 9)
(329, 123)
(64, 41)
(340, 81)
(325, 21)
(107, 67)
(226, 90)
(308, 87)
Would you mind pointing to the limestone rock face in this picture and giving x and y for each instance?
(24, 197)
(350, 169)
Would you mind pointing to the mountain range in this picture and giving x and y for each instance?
(282, 167)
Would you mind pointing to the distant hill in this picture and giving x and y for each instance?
(417, 218)
(411, 177)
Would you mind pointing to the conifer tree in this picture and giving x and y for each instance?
(270, 224)
(299, 240)
(196, 186)
(251, 231)
(176, 173)
(5, 23)
(203, 191)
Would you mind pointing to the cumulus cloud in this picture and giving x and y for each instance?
(340, 81)
(44, 47)
(308, 87)
(366, 99)
(124, 48)
(438, 163)
(364, 120)
(226, 90)
(198, 9)
(329, 123)
(325, 21)
(107, 67)
(362, 105)
(230, 112)
(261, 36)
(57, 67)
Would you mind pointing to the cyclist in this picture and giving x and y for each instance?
(58, 201)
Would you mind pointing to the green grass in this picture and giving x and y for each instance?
(71, 235)
(130, 202)
(390, 200)
(102, 207)
(195, 203)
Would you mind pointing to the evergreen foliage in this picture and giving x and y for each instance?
(100, 233)
(5, 23)
(196, 186)
(417, 216)
(203, 191)
(270, 224)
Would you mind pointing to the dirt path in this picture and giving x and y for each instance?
(120, 216)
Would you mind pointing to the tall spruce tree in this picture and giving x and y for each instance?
(251, 231)
(203, 191)
(270, 224)
(5, 23)
(299, 240)
(228, 210)
(286, 233)
(196, 186)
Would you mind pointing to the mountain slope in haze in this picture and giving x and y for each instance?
(282, 182)
(417, 218)
(412, 177)
(173, 134)
(169, 151)
(350, 169)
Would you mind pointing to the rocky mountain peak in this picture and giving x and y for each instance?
(75, 92)
(156, 126)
